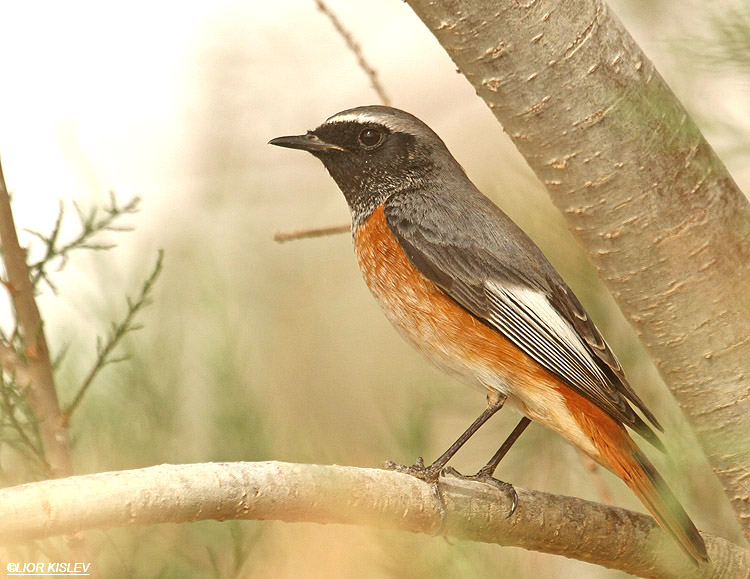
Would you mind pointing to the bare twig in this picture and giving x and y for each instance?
(579, 529)
(40, 391)
(118, 331)
(284, 236)
(356, 49)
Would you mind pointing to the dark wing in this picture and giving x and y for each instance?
(483, 261)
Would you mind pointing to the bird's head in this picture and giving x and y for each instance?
(373, 152)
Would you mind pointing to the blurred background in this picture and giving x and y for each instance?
(254, 350)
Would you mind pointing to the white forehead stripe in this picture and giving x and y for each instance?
(391, 121)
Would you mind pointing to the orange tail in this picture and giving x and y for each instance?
(621, 455)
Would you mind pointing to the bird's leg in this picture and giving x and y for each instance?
(489, 469)
(432, 472)
(485, 474)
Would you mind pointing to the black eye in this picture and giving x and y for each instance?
(370, 138)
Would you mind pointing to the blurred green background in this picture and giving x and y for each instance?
(254, 350)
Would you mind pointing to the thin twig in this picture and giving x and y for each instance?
(356, 49)
(12, 364)
(283, 236)
(104, 352)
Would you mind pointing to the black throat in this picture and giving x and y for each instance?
(368, 178)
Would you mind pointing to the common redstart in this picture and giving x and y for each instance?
(464, 284)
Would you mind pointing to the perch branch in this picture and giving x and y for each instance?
(579, 529)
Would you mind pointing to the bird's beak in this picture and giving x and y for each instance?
(309, 142)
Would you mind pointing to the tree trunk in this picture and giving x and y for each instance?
(643, 192)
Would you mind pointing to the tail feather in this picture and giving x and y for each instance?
(652, 490)
(620, 454)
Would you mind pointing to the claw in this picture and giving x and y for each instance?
(450, 471)
(418, 470)
(431, 476)
(514, 500)
(483, 477)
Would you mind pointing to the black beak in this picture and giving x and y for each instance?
(309, 142)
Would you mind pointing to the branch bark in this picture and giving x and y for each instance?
(36, 377)
(656, 210)
(587, 531)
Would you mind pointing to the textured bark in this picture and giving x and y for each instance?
(33, 374)
(579, 529)
(641, 189)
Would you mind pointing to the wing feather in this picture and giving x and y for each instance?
(491, 269)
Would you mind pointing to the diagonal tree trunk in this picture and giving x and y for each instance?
(656, 210)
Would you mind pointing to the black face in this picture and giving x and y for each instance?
(370, 162)
(375, 152)
(353, 136)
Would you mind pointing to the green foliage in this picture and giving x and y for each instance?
(725, 42)
(19, 431)
(91, 224)
(106, 347)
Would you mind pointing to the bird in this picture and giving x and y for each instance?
(462, 283)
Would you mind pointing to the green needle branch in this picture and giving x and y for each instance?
(118, 331)
(91, 223)
(12, 404)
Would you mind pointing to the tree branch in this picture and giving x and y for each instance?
(587, 531)
(40, 385)
(656, 210)
(284, 236)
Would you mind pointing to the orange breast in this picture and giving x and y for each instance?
(428, 318)
(454, 339)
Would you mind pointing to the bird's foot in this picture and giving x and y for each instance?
(484, 477)
(429, 474)
(418, 470)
